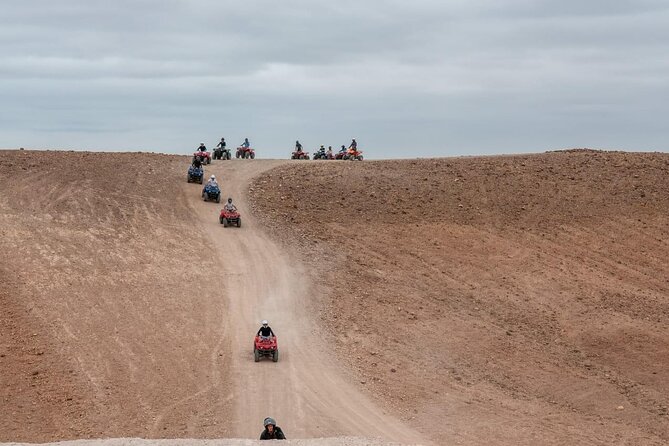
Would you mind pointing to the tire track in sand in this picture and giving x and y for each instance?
(305, 390)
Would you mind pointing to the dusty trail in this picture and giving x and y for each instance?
(304, 391)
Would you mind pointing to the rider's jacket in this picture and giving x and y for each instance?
(265, 331)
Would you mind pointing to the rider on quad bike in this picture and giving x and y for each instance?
(202, 148)
(298, 146)
(230, 208)
(265, 331)
(272, 431)
(221, 145)
(212, 182)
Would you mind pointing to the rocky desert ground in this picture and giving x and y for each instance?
(507, 300)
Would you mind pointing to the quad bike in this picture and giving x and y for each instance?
(265, 346)
(353, 154)
(212, 193)
(245, 152)
(204, 157)
(222, 154)
(300, 155)
(320, 155)
(229, 218)
(340, 155)
(195, 174)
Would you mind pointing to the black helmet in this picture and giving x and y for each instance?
(269, 421)
(222, 139)
(229, 200)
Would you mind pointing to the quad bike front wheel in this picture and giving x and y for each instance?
(275, 355)
(256, 355)
(239, 222)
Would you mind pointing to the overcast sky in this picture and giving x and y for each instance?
(405, 78)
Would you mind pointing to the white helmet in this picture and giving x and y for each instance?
(264, 322)
(213, 177)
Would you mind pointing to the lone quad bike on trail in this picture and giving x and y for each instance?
(212, 193)
(230, 218)
(245, 152)
(204, 157)
(299, 155)
(222, 154)
(265, 346)
(195, 174)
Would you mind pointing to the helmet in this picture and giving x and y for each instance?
(264, 322)
(269, 421)
(229, 200)
(213, 177)
(222, 139)
(201, 143)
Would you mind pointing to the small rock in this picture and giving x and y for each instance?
(393, 370)
(619, 408)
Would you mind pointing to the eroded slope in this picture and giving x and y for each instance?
(108, 323)
(515, 299)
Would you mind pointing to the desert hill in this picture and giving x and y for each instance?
(479, 300)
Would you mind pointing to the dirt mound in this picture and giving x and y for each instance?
(105, 329)
(510, 299)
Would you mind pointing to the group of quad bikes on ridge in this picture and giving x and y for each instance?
(350, 153)
(221, 152)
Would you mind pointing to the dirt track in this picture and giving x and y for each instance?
(305, 389)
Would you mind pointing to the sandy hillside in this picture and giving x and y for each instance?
(127, 310)
(498, 300)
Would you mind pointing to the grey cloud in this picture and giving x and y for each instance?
(395, 74)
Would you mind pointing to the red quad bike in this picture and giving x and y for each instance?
(352, 154)
(265, 346)
(228, 218)
(205, 157)
(340, 156)
(299, 155)
(245, 152)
